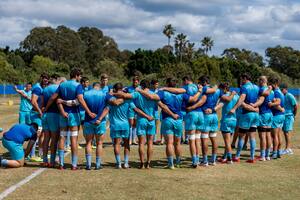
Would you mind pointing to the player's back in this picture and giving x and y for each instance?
(148, 106)
(118, 115)
(264, 107)
(47, 93)
(289, 103)
(96, 101)
(19, 133)
(211, 100)
(38, 91)
(278, 95)
(229, 105)
(68, 90)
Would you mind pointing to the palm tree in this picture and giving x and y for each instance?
(207, 44)
(168, 31)
(190, 50)
(180, 45)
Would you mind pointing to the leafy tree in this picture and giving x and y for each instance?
(180, 45)
(244, 55)
(207, 43)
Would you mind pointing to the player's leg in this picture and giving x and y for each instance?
(16, 153)
(74, 146)
(198, 145)
(213, 139)
(275, 142)
(126, 152)
(61, 146)
(149, 150)
(190, 130)
(228, 150)
(241, 139)
(22, 117)
(117, 150)
(262, 142)
(251, 136)
(99, 149)
(88, 149)
(141, 150)
(53, 147)
(287, 130)
(235, 137)
(47, 137)
(204, 147)
(169, 138)
(268, 143)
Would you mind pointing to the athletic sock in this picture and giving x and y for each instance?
(133, 134)
(194, 159)
(197, 159)
(61, 156)
(178, 160)
(74, 160)
(126, 159)
(88, 158)
(68, 140)
(170, 161)
(45, 159)
(32, 152)
(52, 158)
(279, 152)
(229, 156)
(263, 153)
(4, 163)
(213, 157)
(205, 159)
(252, 148)
(130, 134)
(98, 162)
(240, 147)
(267, 152)
(118, 159)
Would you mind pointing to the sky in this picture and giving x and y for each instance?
(252, 24)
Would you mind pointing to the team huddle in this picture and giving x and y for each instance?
(53, 110)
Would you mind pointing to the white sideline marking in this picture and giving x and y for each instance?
(12, 188)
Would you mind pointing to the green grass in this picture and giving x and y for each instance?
(278, 179)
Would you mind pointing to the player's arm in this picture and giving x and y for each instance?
(225, 98)
(219, 106)
(116, 102)
(143, 114)
(121, 94)
(29, 147)
(62, 110)
(146, 94)
(211, 90)
(51, 101)
(194, 98)
(103, 115)
(275, 102)
(258, 102)
(295, 109)
(35, 105)
(239, 103)
(21, 93)
(69, 103)
(174, 90)
(86, 108)
(166, 109)
(198, 104)
(250, 108)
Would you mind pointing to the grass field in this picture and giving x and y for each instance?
(277, 179)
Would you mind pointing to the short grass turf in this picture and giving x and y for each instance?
(277, 179)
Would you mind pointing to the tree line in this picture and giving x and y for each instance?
(57, 50)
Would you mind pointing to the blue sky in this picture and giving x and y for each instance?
(254, 25)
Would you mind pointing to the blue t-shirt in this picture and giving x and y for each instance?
(264, 107)
(118, 115)
(173, 101)
(38, 91)
(278, 95)
(155, 91)
(191, 90)
(106, 88)
(289, 104)
(47, 93)
(212, 99)
(69, 90)
(251, 91)
(20, 133)
(148, 106)
(96, 101)
(228, 106)
(25, 104)
(83, 89)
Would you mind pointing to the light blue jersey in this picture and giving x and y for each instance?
(106, 89)
(25, 104)
(228, 106)
(47, 93)
(69, 90)
(118, 116)
(289, 103)
(38, 91)
(212, 99)
(264, 107)
(251, 91)
(146, 105)
(96, 101)
(278, 95)
(191, 90)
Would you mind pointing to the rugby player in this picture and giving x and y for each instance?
(25, 104)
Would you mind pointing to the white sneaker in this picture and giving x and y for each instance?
(262, 159)
(213, 163)
(289, 152)
(284, 152)
(268, 158)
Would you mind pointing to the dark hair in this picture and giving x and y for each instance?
(44, 75)
(103, 76)
(246, 76)
(118, 86)
(34, 125)
(75, 72)
(154, 81)
(135, 78)
(84, 79)
(274, 80)
(145, 84)
(204, 79)
(186, 78)
(171, 82)
(283, 86)
(55, 76)
(29, 83)
(224, 86)
(96, 83)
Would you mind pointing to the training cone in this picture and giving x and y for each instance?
(10, 102)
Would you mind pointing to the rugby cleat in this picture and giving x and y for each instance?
(118, 166)
(268, 158)
(236, 159)
(229, 162)
(250, 161)
(177, 165)
(74, 168)
(204, 164)
(61, 167)
(224, 161)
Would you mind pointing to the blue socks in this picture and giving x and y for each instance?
(4, 163)
(178, 160)
(205, 159)
(229, 156)
(88, 158)
(213, 158)
(61, 156)
(126, 159)
(170, 161)
(194, 160)
(118, 159)
(240, 147)
(52, 158)
(267, 152)
(74, 161)
(98, 162)
(197, 159)
(263, 153)
(45, 159)
(252, 148)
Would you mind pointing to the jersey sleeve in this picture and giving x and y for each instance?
(243, 90)
(276, 94)
(292, 99)
(134, 95)
(204, 89)
(185, 98)
(132, 105)
(37, 91)
(161, 94)
(79, 90)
